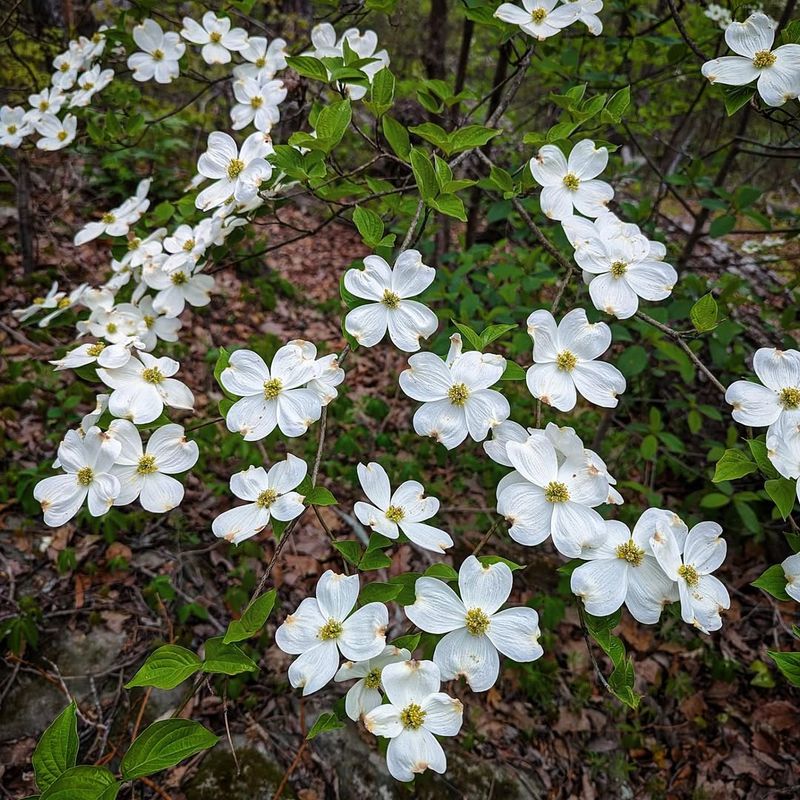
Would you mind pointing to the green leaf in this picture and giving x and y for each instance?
(442, 571)
(82, 783)
(325, 722)
(377, 592)
(512, 565)
(783, 492)
(722, 225)
(166, 667)
(57, 749)
(450, 205)
(333, 121)
(397, 137)
(382, 92)
(369, 225)
(252, 620)
(308, 67)
(704, 313)
(424, 174)
(758, 449)
(350, 550)
(226, 659)
(618, 104)
(773, 581)
(501, 179)
(320, 496)
(633, 361)
(733, 464)
(737, 96)
(473, 338)
(410, 642)
(374, 559)
(434, 134)
(470, 137)
(513, 372)
(493, 332)
(165, 744)
(788, 664)
(223, 358)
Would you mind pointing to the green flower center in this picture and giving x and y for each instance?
(538, 15)
(266, 498)
(257, 101)
(390, 299)
(412, 716)
(149, 320)
(188, 245)
(61, 136)
(556, 492)
(111, 327)
(64, 302)
(152, 375)
(689, 574)
(572, 181)
(763, 59)
(108, 218)
(631, 553)
(235, 166)
(272, 388)
(790, 398)
(147, 465)
(373, 679)
(566, 361)
(215, 37)
(259, 62)
(134, 243)
(38, 301)
(158, 55)
(85, 476)
(477, 621)
(44, 105)
(96, 349)
(178, 278)
(458, 394)
(618, 269)
(12, 129)
(332, 629)
(395, 514)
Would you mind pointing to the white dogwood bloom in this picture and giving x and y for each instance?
(455, 394)
(791, 571)
(777, 71)
(56, 133)
(186, 246)
(329, 376)
(89, 84)
(623, 570)
(216, 36)
(257, 104)
(365, 693)
(323, 626)
(15, 125)
(539, 18)
(49, 100)
(389, 289)
(86, 461)
(158, 55)
(118, 221)
(572, 183)
(475, 628)
(702, 595)
(783, 448)
(270, 397)
(66, 66)
(587, 14)
(401, 512)
(179, 287)
(269, 495)
(776, 398)
(152, 324)
(264, 59)
(64, 304)
(416, 713)
(143, 386)
(564, 360)
(235, 173)
(546, 498)
(112, 356)
(147, 473)
(49, 301)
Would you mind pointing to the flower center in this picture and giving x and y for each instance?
(87, 85)
(477, 622)
(64, 67)
(412, 716)
(266, 498)
(44, 105)
(763, 59)
(631, 553)
(272, 388)
(96, 349)
(790, 398)
(38, 301)
(64, 302)
(373, 679)
(12, 129)
(178, 278)
(257, 101)
(147, 465)
(566, 361)
(332, 629)
(149, 320)
(188, 245)
(158, 55)
(134, 243)
(61, 136)
(111, 327)
(458, 394)
(572, 181)
(152, 375)
(235, 166)
(108, 218)
(689, 574)
(390, 299)
(215, 37)
(618, 269)
(395, 513)
(538, 15)
(259, 62)
(556, 492)
(85, 476)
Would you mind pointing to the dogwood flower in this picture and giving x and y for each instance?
(264, 59)
(271, 396)
(270, 495)
(323, 626)
(622, 569)
(587, 14)
(112, 356)
(15, 125)
(401, 512)
(389, 289)
(791, 571)
(56, 134)
(257, 103)
(548, 499)
(179, 287)
(365, 693)
(49, 100)
(159, 53)
(455, 394)
(216, 36)
(147, 474)
(118, 221)
(572, 183)
(50, 301)
(475, 628)
(186, 246)
(702, 595)
(365, 46)
(778, 399)
(235, 173)
(143, 386)
(564, 361)
(89, 84)
(777, 71)
(329, 376)
(538, 18)
(87, 462)
(416, 713)
(66, 66)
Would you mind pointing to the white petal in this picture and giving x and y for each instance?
(427, 378)
(614, 296)
(587, 162)
(599, 382)
(314, 668)
(574, 527)
(535, 459)
(427, 536)
(442, 421)
(601, 584)
(160, 493)
(299, 631)
(515, 633)
(245, 374)
(410, 322)
(484, 586)
(730, 70)
(582, 338)
(410, 681)
(525, 507)
(337, 595)
(375, 483)
(756, 33)
(367, 324)
(240, 523)
(249, 483)
(649, 590)
(777, 369)
(483, 410)
(412, 752)
(475, 657)
(705, 549)
(443, 714)
(410, 276)
(552, 386)
(287, 475)
(591, 198)
(437, 608)
(360, 700)
(383, 721)
(364, 632)
(753, 404)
